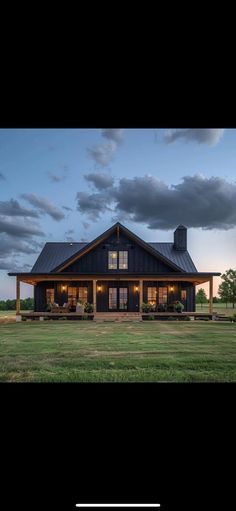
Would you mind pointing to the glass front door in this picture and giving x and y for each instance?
(118, 299)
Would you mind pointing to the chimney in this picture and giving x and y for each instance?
(180, 238)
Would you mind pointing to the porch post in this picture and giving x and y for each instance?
(17, 296)
(140, 295)
(211, 295)
(94, 296)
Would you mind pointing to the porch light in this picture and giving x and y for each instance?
(136, 288)
(63, 288)
(99, 289)
(171, 288)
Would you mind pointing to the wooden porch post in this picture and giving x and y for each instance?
(140, 295)
(211, 295)
(17, 296)
(94, 296)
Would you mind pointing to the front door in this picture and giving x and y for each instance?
(118, 299)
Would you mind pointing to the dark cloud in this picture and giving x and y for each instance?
(10, 245)
(13, 266)
(13, 208)
(23, 230)
(113, 134)
(44, 206)
(2, 176)
(67, 208)
(100, 181)
(93, 204)
(103, 153)
(202, 136)
(208, 203)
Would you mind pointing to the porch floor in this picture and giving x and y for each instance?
(116, 316)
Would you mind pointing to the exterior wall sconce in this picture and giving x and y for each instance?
(63, 289)
(136, 288)
(99, 289)
(172, 288)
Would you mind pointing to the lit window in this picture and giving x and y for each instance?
(72, 296)
(152, 295)
(162, 291)
(123, 260)
(83, 294)
(50, 296)
(183, 294)
(112, 260)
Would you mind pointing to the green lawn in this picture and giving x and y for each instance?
(118, 352)
(217, 307)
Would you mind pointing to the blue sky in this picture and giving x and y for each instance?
(72, 184)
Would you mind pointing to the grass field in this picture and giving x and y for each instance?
(217, 307)
(118, 352)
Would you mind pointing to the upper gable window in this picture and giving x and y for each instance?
(112, 260)
(123, 260)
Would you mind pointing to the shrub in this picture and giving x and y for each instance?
(151, 317)
(146, 307)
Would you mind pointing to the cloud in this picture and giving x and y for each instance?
(10, 245)
(2, 176)
(202, 136)
(13, 208)
(25, 229)
(198, 202)
(13, 266)
(85, 225)
(93, 204)
(103, 153)
(56, 179)
(68, 236)
(113, 134)
(67, 208)
(100, 181)
(44, 206)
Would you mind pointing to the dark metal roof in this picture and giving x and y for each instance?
(54, 254)
(181, 258)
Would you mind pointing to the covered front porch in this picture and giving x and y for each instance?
(114, 294)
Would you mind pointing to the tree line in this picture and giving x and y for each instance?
(226, 290)
(10, 305)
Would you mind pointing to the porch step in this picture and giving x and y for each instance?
(101, 317)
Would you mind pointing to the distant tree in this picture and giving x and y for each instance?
(216, 299)
(201, 296)
(227, 289)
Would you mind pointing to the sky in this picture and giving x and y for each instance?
(73, 184)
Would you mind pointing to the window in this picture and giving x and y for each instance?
(123, 298)
(83, 294)
(183, 294)
(72, 296)
(152, 295)
(162, 291)
(112, 260)
(112, 298)
(123, 259)
(50, 296)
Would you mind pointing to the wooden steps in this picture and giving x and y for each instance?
(118, 317)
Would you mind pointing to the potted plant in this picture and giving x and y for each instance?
(179, 306)
(88, 307)
(146, 307)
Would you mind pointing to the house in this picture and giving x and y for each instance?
(116, 272)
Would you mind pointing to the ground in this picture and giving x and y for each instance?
(85, 351)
